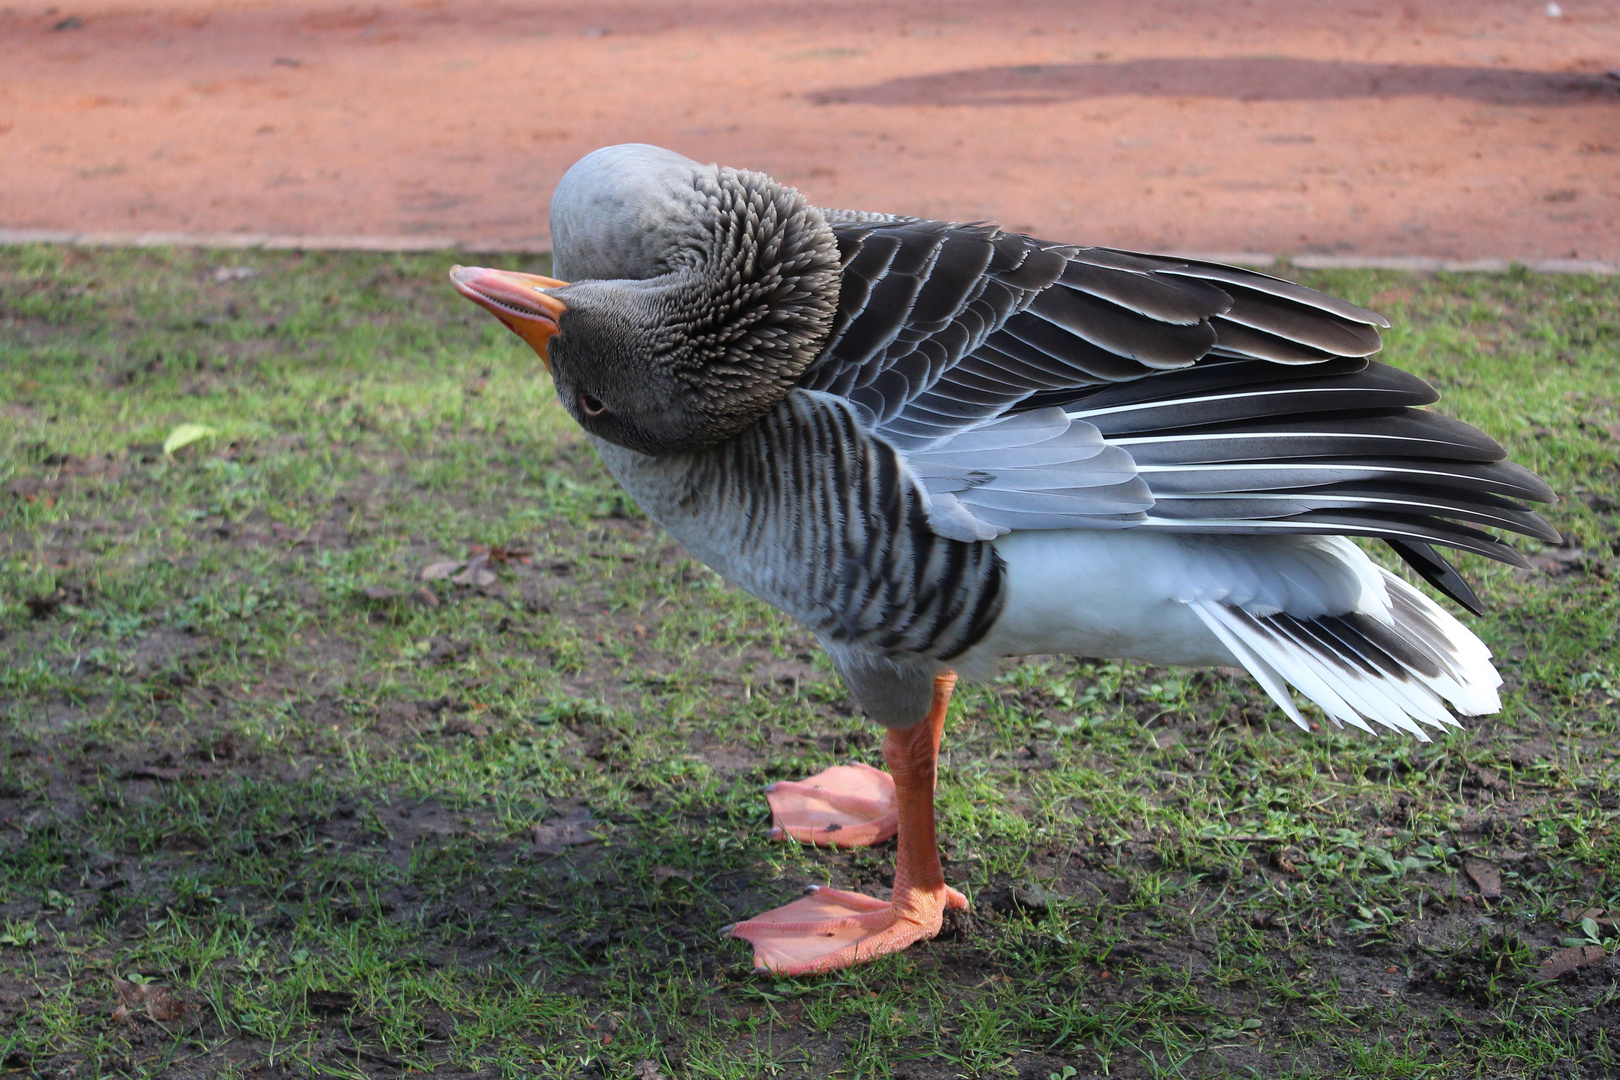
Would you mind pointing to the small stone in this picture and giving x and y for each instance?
(1486, 878)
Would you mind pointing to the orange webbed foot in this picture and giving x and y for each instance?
(832, 929)
(846, 806)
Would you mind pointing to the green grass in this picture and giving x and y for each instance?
(250, 755)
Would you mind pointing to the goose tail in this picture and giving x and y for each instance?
(1404, 664)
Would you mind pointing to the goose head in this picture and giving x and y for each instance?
(692, 297)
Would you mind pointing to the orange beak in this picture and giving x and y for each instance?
(516, 300)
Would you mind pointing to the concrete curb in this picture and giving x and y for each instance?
(277, 242)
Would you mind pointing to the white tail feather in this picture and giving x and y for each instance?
(1341, 666)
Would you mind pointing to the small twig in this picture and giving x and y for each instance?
(391, 1062)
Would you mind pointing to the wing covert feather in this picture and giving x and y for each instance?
(1033, 385)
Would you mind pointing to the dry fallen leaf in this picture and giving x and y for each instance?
(186, 434)
(440, 570)
(1565, 961)
(647, 1069)
(477, 572)
(1597, 915)
(551, 837)
(161, 1004)
(1486, 878)
(662, 874)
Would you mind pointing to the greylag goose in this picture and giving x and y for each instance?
(938, 445)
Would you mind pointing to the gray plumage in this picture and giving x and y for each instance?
(714, 291)
(856, 417)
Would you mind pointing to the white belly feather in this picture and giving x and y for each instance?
(1125, 594)
(1188, 599)
(1089, 593)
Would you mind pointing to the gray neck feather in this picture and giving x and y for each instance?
(734, 279)
(621, 211)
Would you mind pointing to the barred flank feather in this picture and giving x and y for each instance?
(810, 513)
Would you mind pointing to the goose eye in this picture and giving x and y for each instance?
(590, 406)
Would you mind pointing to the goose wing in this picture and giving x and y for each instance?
(1032, 385)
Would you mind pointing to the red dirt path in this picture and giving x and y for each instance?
(1441, 127)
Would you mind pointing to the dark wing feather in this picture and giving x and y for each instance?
(1408, 433)
(1221, 393)
(1147, 339)
(1286, 319)
(1236, 339)
(1433, 568)
(1247, 402)
(1160, 297)
(1270, 286)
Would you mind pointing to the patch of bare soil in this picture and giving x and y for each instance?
(1452, 127)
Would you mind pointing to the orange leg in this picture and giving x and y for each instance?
(832, 929)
